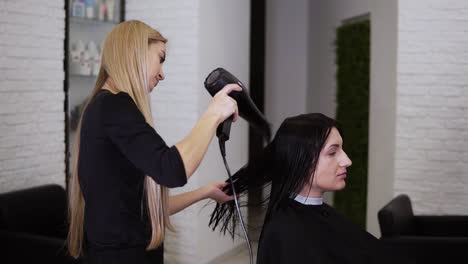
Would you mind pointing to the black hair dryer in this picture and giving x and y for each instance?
(215, 81)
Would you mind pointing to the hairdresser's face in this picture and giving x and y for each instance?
(330, 173)
(155, 60)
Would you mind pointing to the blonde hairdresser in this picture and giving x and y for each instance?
(133, 55)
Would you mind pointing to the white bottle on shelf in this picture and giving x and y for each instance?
(78, 8)
(110, 9)
(97, 62)
(94, 57)
(86, 63)
(89, 9)
(76, 54)
(74, 62)
(102, 10)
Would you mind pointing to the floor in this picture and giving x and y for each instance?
(237, 256)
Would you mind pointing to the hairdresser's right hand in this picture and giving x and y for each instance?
(223, 106)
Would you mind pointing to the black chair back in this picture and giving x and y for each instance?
(396, 217)
(38, 210)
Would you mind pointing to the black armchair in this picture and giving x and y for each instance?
(424, 238)
(33, 225)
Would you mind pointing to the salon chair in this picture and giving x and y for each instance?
(33, 225)
(423, 238)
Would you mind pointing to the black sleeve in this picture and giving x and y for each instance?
(139, 142)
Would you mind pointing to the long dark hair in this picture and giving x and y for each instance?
(287, 164)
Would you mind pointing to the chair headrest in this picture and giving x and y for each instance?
(396, 217)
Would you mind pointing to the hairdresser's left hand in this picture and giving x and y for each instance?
(215, 191)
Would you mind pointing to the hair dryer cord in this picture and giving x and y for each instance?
(222, 142)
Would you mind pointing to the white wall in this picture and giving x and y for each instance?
(326, 17)
(202, 35)
(224, 41)
(286, 59)
(32, 148)
(432, 116)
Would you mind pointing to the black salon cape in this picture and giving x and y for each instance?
(118, 148)
(316, 234)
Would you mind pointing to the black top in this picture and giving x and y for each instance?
(118, 148)
(315, 234)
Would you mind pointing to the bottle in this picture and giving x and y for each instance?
(110, 9)
(102, 10)
(89, 9)
(86, 62)
(71, 10)
(78, 8)
(97, 62)
(93, 57)
(75, 58)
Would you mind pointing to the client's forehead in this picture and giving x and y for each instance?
(334, 138)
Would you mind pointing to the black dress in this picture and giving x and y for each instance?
(118, 148)
(316, 234)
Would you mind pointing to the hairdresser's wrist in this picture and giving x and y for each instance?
(213, 117)
(203, 193)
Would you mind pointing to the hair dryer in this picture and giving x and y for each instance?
(215, 81)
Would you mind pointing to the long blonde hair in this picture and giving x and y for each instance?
(123, 61)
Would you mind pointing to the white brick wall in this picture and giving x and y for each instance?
(432, 99)
(31, 93)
